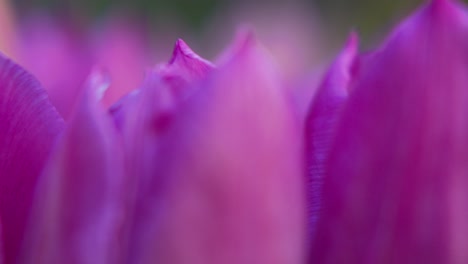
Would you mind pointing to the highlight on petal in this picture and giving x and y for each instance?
(289, 30)
(324, 113)
(214, 196)
(79, 206)
(395, 179)
(29, 126)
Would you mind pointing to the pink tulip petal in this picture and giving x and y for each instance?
(321, 122)
(29, 126)
(227, 186)
(395, 188)
(79, 204)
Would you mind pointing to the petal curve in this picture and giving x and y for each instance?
(29, 126)
(79, 205)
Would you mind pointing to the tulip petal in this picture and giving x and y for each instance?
(321, 122)
(184, 68)
(227, 186)
(79, 203)
(179, 76)
(393, 191)
(29, 126)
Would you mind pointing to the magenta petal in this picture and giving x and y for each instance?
(321, 122)
(227, 187)
(2, 253)
(184, 69)
(395, 187)
(79, 204)
(58, 55)
(29, 126)
(177, 79)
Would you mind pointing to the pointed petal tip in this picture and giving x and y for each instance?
(350, 50)
(353, 40)
(181, 50)
(244, 42)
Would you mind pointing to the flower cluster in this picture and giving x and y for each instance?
(214, 162)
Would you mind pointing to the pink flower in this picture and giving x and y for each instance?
(202, 164)
(394, 163)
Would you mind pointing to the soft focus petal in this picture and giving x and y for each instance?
(79, 205)
(120, 47)
(2, 254)
(228, 186)
(395, 188)
(184, 68)
(29, 126)
(289, 29)
(321, 123)
(178, 81)
(59, 56)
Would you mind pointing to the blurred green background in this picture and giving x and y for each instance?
(315, 28)
(369, 17)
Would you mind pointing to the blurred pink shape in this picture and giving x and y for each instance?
(80, 202)
(29, 127)
(396, 177)
(227, 184)
(58, 54)
(120, 47)
(61, 56)
(7, 29)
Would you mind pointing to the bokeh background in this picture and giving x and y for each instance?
(195, 19)
(60, 41)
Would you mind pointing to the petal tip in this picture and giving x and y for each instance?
(244, 42)
(181, 50)
(352, 43)
(245, 38)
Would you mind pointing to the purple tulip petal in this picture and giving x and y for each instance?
(395, 185)
(79, 203)
(29, 126)
(184, 69)
(321, 122)
(2, 253)
(227, 187)
(179, 76)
